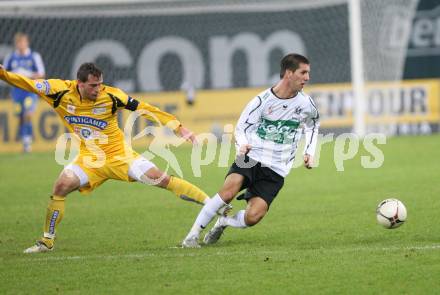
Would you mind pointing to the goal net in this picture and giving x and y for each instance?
(154, 46)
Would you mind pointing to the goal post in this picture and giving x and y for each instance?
(357, 67)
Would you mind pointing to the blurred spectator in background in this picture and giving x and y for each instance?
(190, 92)
(29, 63)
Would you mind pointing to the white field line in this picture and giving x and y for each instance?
(197, 252)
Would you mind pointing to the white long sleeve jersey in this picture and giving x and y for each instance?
(273, 127)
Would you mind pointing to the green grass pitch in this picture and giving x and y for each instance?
(319, 237)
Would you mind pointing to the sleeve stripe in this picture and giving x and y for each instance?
(313, 133)
(247, 120)
(47, 86)
(313, 104)
(256, 107)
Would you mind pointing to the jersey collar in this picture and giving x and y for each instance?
(26, 53)
(273, 93)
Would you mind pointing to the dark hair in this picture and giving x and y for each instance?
(291, 62)
(87, 69)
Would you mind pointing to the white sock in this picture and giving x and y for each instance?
(206, 215)
(27, 139)
(235, 221)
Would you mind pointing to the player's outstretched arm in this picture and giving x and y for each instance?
(156, 115)
(18, 80)
(187, 134)
(151, 113)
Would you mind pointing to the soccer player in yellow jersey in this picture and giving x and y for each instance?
(88, 108)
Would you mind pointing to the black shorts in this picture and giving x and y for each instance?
(259, 181)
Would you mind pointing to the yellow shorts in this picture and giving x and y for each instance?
(125, 168)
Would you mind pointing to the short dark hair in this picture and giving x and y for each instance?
(291, 62)
(87, 69)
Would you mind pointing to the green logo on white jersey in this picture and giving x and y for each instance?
(279, 131)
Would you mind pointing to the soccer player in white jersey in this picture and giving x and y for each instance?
(267, 136)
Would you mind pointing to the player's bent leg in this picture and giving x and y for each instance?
(237, 221)
(255, 211)
(232, 185)
(67, 182)
(54, 215)
(186, 190)
(179, 187)
(230, 188)
(70, 179)
(146, 172)
(205, 216)
(216, 231)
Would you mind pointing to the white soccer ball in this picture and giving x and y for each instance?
(391, 213)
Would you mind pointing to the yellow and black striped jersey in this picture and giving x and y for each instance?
(96, 120)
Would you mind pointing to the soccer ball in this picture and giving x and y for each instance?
(391, 213)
